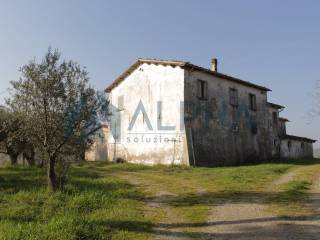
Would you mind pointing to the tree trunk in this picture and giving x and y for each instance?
(29, 156)
(31, 161)
(52, 177)
(13, 159)
(41, 164)
(83, 155)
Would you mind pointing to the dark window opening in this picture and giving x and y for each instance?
(275, 117)
(188, 108)
(254, 128)
(235, 127)
(289, 145)
(233, 95)
(253, 102)
(275, 142)
(302, 145)
(202, 89)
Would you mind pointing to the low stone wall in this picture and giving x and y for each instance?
(4, 159)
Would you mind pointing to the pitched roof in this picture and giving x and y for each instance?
(283, 119)
(183, 64)
(299, 138)
(273, 105)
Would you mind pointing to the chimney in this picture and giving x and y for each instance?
(214, 64)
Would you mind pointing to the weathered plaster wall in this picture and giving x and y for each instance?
(5, 159)
(274, 132)
(223, 134)
(296, 150)
(99, 150)
(199, 132)
(148, 85)
(282, 127)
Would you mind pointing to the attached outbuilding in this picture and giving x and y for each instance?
(296, 147)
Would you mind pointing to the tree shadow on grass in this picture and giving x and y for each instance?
(302, 161)
(14, 180)
(260, 228)
(21, 181)
(103, 167)
(221, 198)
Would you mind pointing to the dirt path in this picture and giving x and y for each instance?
(315, 196)
(249, 218)
(168, 218)
(283, 180)
(164, 217)
(241, 218)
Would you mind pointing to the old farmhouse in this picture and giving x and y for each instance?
(174, 112)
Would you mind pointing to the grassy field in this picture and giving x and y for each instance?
(123, 201)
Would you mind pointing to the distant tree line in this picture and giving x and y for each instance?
(51, 117)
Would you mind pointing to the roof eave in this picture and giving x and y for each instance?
(182, 64)
(299, 138)
(284, 119)
(140, 61)
(218, 74)
(274, 105)
(117, 81)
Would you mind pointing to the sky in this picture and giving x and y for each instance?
(271, 43)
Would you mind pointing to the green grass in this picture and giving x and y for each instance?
(92, 206)
(292, 200)
(110, 201)
(197, 190)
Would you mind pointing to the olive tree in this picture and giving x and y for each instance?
(12, 141)
(62, 111)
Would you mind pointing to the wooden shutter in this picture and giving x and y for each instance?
(233, 95)
(205, 90)
(199, 88)
(253, 102)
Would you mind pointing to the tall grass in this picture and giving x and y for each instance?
(92, 206)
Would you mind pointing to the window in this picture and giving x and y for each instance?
(302, 145)
(120, 103)
(233, 95)
(253, 102)
(275, 117)
(235, 127)
(289, 145)
(254, 128)
(275, 142)
(188, 107)
(202, 89)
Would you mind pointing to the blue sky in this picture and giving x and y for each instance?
(272, 43)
